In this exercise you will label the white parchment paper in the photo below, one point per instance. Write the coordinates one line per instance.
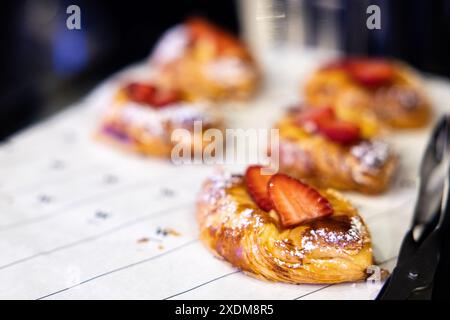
(79, 220)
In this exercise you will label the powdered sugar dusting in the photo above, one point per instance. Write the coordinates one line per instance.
(154, 120)
(229, 71)
(171, 46)
(352, 236)
(371, 154)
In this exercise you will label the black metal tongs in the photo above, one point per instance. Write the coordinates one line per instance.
(422, 249)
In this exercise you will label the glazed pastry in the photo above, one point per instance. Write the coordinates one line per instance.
(375, 92)
(205, 62)
(326, 151)
(143, 116)
(280, 229)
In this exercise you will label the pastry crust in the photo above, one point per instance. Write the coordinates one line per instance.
(326, 250)
(399, 104)
(138, 128)
(210, 63)
(366, 166)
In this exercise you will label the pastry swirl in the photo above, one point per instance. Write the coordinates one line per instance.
(365, 165)
(327, 250)
(398, 102)
(209, 63)
(138, 127)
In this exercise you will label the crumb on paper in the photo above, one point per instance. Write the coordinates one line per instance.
(173, 232)
(143, 240)
(160, 247)
(168, 231)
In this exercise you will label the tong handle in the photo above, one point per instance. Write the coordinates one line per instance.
(436, 153)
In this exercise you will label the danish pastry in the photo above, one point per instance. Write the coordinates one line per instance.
(205, 62)
(280, 229)
(326, 151)
(143, 116)
(375, 92)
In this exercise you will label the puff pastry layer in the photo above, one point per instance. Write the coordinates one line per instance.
(140, 128)
(205, 62)
(365, 166)
(398, 103)
(327, 250)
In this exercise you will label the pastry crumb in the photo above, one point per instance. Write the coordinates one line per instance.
(173, 232)
(143, 240)
(168, 231)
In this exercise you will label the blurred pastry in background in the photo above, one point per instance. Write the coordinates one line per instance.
(277, 228)
(320, 148)
(203, 61)
(371, 89)
(143, 116)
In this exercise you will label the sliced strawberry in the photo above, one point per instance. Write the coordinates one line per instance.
(325, 122)
(370, 72)
(339, 130)
(296, 202)
(200, 28)
(257, 187)
(151, 95)
(314, 115)
(140, 92)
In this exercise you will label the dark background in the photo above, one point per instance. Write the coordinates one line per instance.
(45, 66)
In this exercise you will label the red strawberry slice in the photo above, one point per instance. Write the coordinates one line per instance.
(339, 130)
(296, 202)
(257, 187)
(139, 92)
(325, 122)
(370, 72)
(200, 28)
(151, 95)
(315, 115)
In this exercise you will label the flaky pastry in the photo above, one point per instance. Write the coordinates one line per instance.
(143, 116)
(332, 248)
(326, 151)
(377, 92)
(204, 61)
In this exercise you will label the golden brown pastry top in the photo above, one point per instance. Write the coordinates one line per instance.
(397, 101)
(365, 165)
(205, 62)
